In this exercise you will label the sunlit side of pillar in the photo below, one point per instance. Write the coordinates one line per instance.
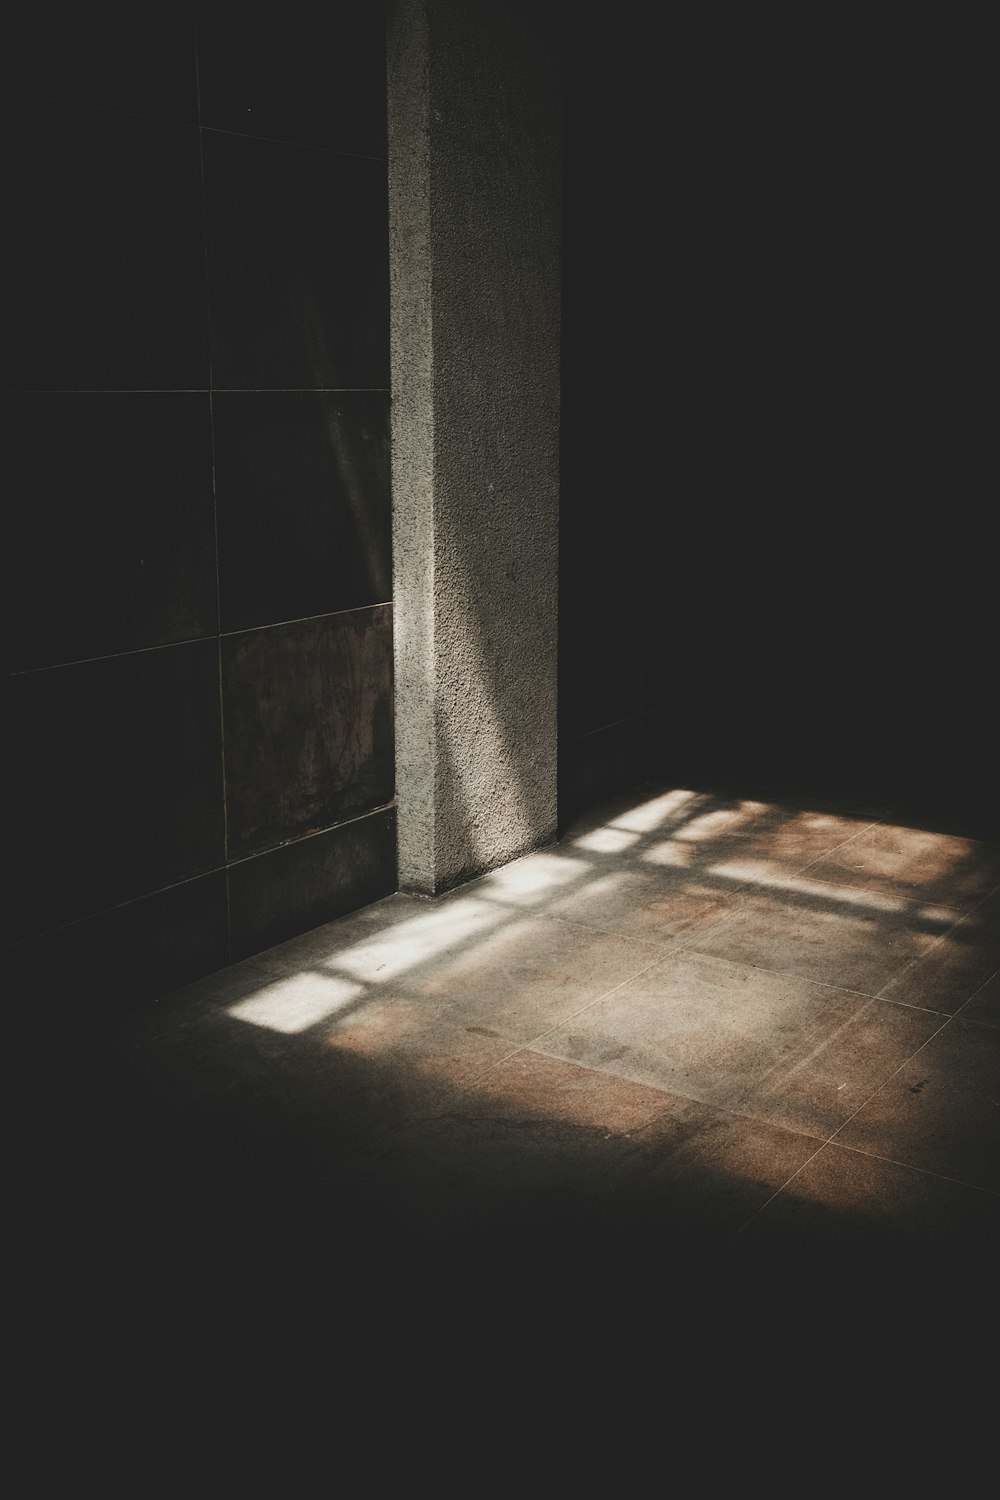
(474, 211)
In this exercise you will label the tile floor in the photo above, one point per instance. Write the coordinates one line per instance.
(698, 1039)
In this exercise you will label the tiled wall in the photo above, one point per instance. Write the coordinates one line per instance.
(196, 454)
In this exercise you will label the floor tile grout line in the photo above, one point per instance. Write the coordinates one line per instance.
(533, 1045)
(825, 984)
(512, 1050)
(902, 906)
(740, 1113)
(669, 1095)
(942, 937)
(832, 1140)
(906, 901)
(909, 1166)
(731, 1239)
(875, 823)
(894, 1074)
(971, 1021)
(598, 999)
(591, 927)
(634, 937)
(878, 823)
(515, 912)
(721, 1249)
(751, 886)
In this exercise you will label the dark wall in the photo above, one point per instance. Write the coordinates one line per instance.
(775, 538)
(197, 472)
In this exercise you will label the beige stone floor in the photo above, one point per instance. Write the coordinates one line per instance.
(698, 1040)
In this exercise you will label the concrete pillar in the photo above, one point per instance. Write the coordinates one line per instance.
(474, 213)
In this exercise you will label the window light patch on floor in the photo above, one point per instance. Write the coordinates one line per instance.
(745, 871)
(679, 856)
(606, 840)
(709, 825)
(532, 877)
(395, 949)
(649, 815)
(293, 1005)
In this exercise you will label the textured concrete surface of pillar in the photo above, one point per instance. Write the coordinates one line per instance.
(474, 212)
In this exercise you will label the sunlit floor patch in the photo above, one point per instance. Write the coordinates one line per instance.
(398, 948)
(293, 1005)
(746, 871)
(643, 1031)
(532, 878)
(724, 820)
(650, 815)
(677, 856)
(606, 840)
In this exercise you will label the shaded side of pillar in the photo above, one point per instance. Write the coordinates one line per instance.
(474, 208)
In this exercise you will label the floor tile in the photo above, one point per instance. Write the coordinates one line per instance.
(656, 906)
(708, 832)
(941, 1111)
(499, 1097)
(840, 935)
(549, 1174)
(953, 971)
(927, 866)
(505, 972)
(984, 1006)
(778, 1048)
(518, 977)
(237, 1105)
(843, 1215)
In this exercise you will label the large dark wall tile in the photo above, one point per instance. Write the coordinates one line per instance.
(299, 266)
(111, 53)
(318, 79)
(286, 891)
(303, 488)
(116, 781)
(68, 982)
(111, 528)
(309, 728)
(105, 253)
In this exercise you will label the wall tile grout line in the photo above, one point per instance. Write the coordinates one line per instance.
(195, 640)
(215, 498)
(272, 140)
(204, 390)
(216, 869)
